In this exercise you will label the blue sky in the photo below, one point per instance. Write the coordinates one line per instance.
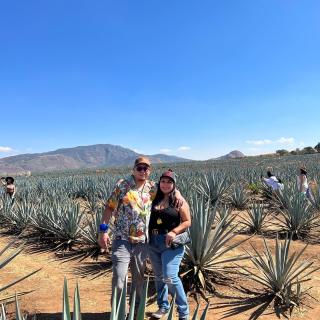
(191, 78)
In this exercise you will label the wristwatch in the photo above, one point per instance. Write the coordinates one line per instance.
(103, 228)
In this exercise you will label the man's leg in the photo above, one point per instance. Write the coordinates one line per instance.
(120, 263)
(138, 264)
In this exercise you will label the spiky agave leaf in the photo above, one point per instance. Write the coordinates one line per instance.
(205, 312)
(76, 304)
(122, 304)
(132, 303)
(3, 315)
(8, 259)
(142, 302)
(171, 309)
(114, 306)
(18, 312)
(65, 302)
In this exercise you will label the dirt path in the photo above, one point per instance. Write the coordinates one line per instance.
(95, 285)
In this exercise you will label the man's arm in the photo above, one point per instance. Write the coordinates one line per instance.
(103, 238)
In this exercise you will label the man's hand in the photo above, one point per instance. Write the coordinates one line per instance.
(104, 240)
(178, 202)
(169, 237)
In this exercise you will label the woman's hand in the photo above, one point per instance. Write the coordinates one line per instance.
(169, 238)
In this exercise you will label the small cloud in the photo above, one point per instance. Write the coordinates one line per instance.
(301, 144)
(259, 142)
(184, 148)
(5, 149)
(283, 140)
(138, 151)
(165, 150)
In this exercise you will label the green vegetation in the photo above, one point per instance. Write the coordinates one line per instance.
(62, 211)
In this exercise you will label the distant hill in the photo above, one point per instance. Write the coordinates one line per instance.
(231, 155)
(94, 156)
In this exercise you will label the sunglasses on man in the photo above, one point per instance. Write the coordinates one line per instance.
(142, 168)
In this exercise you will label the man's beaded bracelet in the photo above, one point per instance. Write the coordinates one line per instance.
(103, 228)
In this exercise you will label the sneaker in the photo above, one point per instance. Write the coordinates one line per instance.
(159, 314)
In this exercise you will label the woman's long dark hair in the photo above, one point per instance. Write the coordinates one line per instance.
(303, 171)
(160, 195)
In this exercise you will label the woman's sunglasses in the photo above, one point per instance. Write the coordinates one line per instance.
(142, 168)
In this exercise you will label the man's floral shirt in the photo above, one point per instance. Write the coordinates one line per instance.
(132, 209)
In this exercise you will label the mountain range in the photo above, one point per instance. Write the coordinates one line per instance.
(94, 156)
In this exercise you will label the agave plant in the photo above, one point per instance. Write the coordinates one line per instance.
(212, 186)
(5, 210)
(20, 216)
(299, 218)
(61, 222)
(239, 197)
(314, 198)
(208, 254)
(280, 274)
(255, 218)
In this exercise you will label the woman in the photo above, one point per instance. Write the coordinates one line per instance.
(302, 181)
(10, 188)
(165, 224)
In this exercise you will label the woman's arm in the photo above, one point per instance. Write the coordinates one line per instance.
(185, 223)
(185, 218)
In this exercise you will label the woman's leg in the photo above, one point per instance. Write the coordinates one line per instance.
(161, 287)
(171, 259)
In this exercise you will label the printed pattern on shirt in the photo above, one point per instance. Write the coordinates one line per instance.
(132, 209)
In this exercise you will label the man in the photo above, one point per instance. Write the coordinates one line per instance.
(130, 202)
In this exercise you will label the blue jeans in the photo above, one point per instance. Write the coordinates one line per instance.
(165, 264)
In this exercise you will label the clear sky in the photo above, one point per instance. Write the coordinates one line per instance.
(190, 78)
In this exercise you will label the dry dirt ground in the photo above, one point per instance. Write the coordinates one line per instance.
(45, 296)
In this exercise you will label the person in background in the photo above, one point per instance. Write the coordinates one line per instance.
(280, 184)
(271, 181)
(302, 180)
(10, 188)
(166, 222)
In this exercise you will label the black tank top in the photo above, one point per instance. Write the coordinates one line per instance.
(164, 219)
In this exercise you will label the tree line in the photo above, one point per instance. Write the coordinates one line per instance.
(306, 150)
